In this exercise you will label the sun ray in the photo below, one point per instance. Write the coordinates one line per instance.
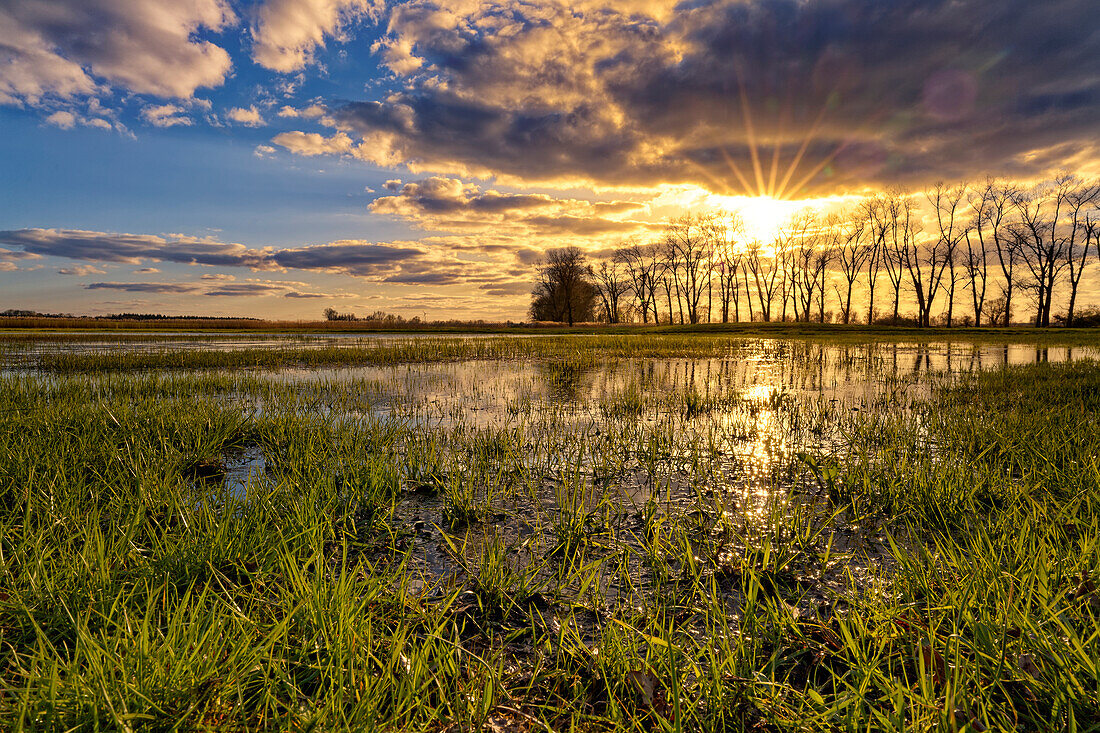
(853, 135)
(721, 182)
(750, 133)
(780, 125)
(797, 160)
(737, 172)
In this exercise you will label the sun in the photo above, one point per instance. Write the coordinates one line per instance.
(762, 217)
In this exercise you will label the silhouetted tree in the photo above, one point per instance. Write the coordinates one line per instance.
(1081, 201)
(563, 292)
(643, 266)
(1044, 243)
(853, 251)
(947, 205)
(611, 282)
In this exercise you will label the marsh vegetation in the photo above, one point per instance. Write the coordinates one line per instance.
(559, 533)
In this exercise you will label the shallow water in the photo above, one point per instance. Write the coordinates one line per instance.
(537, 446)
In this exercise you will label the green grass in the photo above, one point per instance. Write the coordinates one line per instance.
(601, 562)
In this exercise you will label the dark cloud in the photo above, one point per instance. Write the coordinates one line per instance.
(144, 287)
(440, 195)
(244, 290)
(877, 92)
(76, 244)
(471, 262)
(447, 204)
(355, 258)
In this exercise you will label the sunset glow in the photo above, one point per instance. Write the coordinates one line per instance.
(225, 158)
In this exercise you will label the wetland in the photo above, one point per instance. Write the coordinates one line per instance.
(593, 532)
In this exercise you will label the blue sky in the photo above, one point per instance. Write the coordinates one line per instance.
(281, 156)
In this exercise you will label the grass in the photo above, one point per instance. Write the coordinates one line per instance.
(654, 554)
(563, 355)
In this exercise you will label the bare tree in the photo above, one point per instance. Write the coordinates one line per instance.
(612, 283)
(947, 204)
(728, 261)
(690, 241)
(997, 202)
(854, 250)
(1081, 201)
(643, 266)
(811, 245)
(981, 238)
(1044, 240)
(765, 272)
(878, 211)
(904, 229)
(896, 218)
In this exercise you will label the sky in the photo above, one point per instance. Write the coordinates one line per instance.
(278, 157)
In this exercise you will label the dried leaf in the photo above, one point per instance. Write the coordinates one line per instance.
(932, 664)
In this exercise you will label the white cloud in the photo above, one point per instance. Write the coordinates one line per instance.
(312, 143)
(71, 48)
(250, 117)
(63, 119)
(311, 112)
(287, 32)
(165, 115)
(398, 55)
(81, 270)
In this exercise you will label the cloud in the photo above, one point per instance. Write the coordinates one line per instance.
(81, 270)
(67, 120)
(238, 290)
(146, 270)
(7, 255)
(434, 260)
(63, 119)
(311, 112)
(350, 257)
(143, 287)
(71, 48)
(447, 204)
(132, 249)
(165, 115)
(440, 195)
(219, 277)
(250, 117)
(215, 287)
(310, 296)
(287, 32)
(312, 143)
(844, 93)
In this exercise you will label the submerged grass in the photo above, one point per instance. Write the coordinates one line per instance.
(600, 572)
(568, 352)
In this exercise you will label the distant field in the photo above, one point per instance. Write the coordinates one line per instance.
(785, 528)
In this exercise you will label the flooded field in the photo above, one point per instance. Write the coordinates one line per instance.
(575, 530)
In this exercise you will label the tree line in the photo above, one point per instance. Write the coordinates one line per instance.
(970, 254)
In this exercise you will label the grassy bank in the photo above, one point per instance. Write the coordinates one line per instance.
(599, 564)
